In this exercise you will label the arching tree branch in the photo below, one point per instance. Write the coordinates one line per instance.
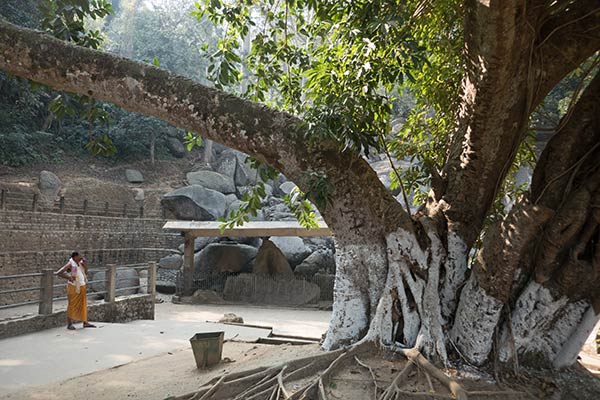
(566, 39)
(275, 137)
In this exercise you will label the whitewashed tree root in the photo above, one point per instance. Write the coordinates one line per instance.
(268, 383)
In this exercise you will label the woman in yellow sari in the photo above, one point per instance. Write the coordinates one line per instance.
(75, 271)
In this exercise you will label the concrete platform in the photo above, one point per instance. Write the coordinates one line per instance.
(58, 354)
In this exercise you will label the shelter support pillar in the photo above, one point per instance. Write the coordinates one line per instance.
(188, 265)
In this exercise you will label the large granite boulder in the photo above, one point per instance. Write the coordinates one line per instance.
(278, 212)
(220, 258)
(293, 248)
(134, 176)
(195, 202)
(176, 148)
(139, 194)
(251, 288)
(271, 261)
(243, 173)
(287, 187)
(235, 205)
(320, 260)
(199, 243)
(268, 191)
(227, 163)
(211, 180)
(49, 185)
(126, 278)
(172, 261)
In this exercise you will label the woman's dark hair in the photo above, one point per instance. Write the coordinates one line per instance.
(73, 254)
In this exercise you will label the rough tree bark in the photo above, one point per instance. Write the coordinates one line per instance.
(402, 281)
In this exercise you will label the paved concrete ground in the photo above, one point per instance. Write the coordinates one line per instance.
(58, 354)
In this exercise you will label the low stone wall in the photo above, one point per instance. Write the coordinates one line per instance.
(36, 231)
(124, 309)
(257, 289)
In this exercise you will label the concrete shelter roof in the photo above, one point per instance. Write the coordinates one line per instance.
(249, 229)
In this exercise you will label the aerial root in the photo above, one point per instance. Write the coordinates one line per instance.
(316, 390)
(395, 387)
(268, 383)
(375, 386)
(415, 356)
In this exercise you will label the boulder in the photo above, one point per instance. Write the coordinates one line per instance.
(249, 240)
(173, 261)
(199, 244)
(250, 288)
(226, 164)
(167, 275)
(176, 148)
(230, 198)
(134, 176)
(220, 258)
(166, 287)
(268, 191)
(231, 317)
(195, 203)
(320, 260)
(320, 242)
(139, 194)
(278, 212)
(243, 173)
(126, 277)
(287, 187)
(236, 205)
(292, 247)
(202, 296)
(211, 180)
(49, 185)
(271, 261)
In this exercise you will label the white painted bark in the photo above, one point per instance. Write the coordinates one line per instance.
(410, 298)
(456, 268)
(532, 318)
(476, 318)
(352, 294)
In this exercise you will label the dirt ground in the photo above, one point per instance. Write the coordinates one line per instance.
(174, 373)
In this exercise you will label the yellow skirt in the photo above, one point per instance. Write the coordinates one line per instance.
(77, 308)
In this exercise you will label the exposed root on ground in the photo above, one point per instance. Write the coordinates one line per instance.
(268, 383)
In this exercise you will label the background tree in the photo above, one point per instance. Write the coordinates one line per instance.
(403, 281)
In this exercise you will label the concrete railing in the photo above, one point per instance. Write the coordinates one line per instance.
(48, 289)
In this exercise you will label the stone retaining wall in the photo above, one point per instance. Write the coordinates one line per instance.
(33, 241)
(124, 309)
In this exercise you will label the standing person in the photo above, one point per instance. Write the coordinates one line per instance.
(75, 272)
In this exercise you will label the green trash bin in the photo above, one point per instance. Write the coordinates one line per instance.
(207, 348)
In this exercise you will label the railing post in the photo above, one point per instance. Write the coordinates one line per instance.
(163, 212)
(106, 209)
(125, 210)
(111, 283)
(47, 292)
(142, 211)
(61, 204)
(34, 204)
(3, 200)
(152, 279)
(85, 206)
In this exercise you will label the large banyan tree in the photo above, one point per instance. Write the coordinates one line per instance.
(448, 280)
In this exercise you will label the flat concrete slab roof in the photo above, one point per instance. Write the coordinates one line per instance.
(249, 229)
